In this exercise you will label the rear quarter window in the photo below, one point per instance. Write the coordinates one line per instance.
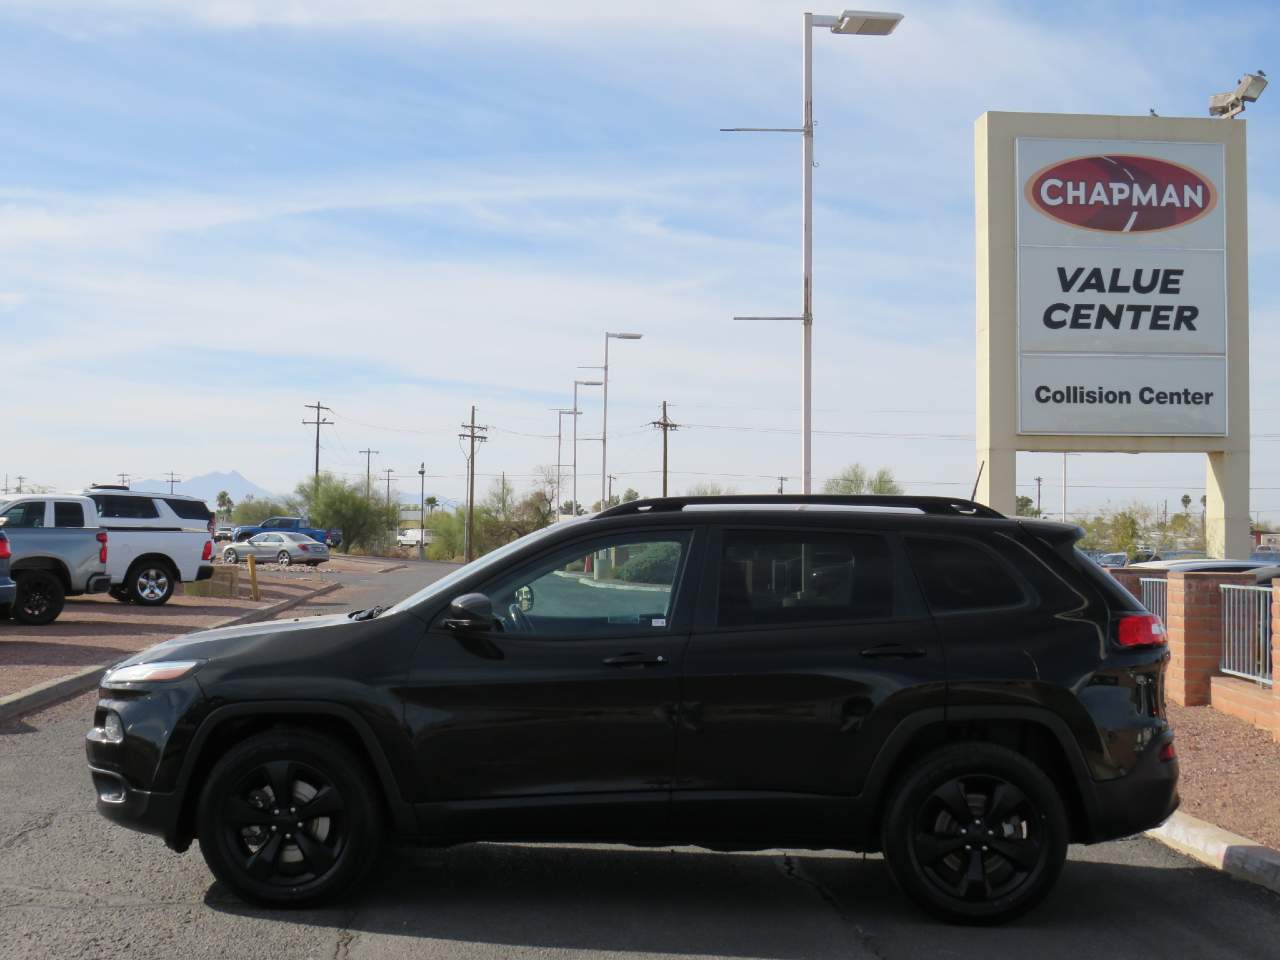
(959, 575)
(190, 509)
(68, 513)
(112, 507)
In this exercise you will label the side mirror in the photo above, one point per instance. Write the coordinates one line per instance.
(470, 612)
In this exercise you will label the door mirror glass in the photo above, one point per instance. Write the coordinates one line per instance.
(524, 598)
(471, 611)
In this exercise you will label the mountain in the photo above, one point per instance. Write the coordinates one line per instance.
(206, 487)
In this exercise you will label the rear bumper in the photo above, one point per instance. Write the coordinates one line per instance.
(98, 583)
(8, 591)
(1143, 798)
(205, 572)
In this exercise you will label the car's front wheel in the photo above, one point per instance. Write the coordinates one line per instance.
(289, 819)
(975, 833)
(283, 558)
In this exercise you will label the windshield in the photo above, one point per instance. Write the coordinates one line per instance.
(493, 559)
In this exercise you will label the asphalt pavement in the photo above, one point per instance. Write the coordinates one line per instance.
(73, 885)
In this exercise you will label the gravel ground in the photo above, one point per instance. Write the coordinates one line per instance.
(1230, 772)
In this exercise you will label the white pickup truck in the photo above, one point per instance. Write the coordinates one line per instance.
(157, 540)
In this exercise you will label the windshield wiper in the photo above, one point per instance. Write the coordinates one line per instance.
(367, 614)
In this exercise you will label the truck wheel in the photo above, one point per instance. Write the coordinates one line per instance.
(150, 584)
(40, 597)
(975, 833)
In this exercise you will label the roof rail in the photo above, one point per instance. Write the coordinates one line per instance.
(940, 506)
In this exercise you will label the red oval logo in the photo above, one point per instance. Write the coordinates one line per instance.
(1121, 193)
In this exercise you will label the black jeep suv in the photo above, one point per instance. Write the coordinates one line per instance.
(920, 676)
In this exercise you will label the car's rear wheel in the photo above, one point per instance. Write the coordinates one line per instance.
(40, 597)
(283, 558)
(975, 833)
(229, 555)
(150, 583)
(288, 819)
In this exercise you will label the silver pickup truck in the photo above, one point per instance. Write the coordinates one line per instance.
(49, 564)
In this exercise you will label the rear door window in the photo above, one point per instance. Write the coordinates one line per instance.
(67, 514)
(189, 509)
(783, 577)
(113, 507)
(961, 575)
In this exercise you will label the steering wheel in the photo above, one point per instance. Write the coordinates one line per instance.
(519, 620)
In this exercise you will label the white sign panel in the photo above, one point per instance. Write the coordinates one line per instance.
(1122, 303)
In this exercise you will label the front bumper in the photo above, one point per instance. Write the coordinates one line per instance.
(118, 801)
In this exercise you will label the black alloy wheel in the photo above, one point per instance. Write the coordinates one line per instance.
(976, 834)
(287, 819)
(40, 598)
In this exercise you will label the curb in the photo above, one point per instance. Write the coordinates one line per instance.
(62, 688)
(1231, 853)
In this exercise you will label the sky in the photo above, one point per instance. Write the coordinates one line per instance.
(213, 213)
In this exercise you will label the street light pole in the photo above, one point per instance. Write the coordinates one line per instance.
(561, 413)
(604, 424)
(422, 510)
(576, 384)
(858, 23)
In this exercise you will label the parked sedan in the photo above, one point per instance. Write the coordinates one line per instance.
(283, 548)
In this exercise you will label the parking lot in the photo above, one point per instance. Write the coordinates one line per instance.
(72, 885)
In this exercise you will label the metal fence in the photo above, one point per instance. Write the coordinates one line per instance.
(1246, 632)
(1155, 596)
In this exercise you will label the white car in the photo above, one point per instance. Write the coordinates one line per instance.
(284, 548)
(157, 541)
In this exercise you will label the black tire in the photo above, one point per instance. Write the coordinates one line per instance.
(120, 593)
(975, 833)
(40, 597)
(6, 611)
(230, 555)
(235, 817)
(150, 583)
(283, 558)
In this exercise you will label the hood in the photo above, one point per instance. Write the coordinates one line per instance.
(222, 641)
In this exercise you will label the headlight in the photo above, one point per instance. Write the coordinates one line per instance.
(150, 672)
(111, 731)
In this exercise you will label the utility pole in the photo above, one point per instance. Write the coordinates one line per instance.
(781, 481)
(318, 422)
(20, 479)
(1064, 486)
(124, 479)
(609, 493)
(422, 510)
(474, 432)
(666, 425)
(368, 470)
(173, 478)
(1039, 480)
(388, 471)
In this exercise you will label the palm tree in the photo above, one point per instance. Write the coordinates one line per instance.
(431, 503)
(1186, 502)
(224, 504)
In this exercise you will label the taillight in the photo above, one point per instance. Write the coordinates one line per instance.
(1167, 753)
(1141, 630)
(208, 550)
(5, 552)
(102, 549)
(303, 547)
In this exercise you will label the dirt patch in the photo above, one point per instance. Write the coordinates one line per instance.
(1230, 772)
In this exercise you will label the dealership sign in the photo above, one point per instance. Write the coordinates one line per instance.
(1122, 296)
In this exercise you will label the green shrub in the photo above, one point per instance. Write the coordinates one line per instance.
(656, 563)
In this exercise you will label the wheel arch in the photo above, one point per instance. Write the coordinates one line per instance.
(1036, 733)
(156, 558)
(228, 725)
(49, 564)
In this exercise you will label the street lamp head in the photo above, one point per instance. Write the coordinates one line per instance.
(626, 336)
(1248, 90)
(867, 23)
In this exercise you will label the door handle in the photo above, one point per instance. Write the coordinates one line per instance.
(898, 651)
(636, 660)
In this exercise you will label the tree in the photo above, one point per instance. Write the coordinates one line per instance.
(251, 512)
(333, 503)
(1186, 502)
(855, 480)
(1027, 507)
(709, 488)
(224, 504)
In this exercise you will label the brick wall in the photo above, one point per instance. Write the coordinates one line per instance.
(1194, 622)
